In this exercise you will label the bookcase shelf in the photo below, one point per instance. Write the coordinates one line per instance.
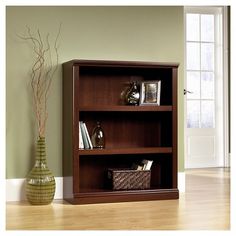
(116, 151)
(126, 108)
(92, 92)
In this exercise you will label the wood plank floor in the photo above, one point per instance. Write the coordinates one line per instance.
(204, 205)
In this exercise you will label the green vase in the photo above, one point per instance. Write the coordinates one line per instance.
(40, 182)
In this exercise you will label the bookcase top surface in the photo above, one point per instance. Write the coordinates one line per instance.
(144, 64)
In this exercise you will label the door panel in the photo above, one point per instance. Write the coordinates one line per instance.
(203, 100)
(207, 144)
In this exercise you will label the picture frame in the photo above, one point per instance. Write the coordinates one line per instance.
(150, 92)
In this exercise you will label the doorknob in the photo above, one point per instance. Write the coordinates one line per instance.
(186, 91)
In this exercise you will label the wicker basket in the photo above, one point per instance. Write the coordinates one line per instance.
(128, 179)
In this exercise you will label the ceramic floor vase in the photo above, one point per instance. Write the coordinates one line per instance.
(40, 182)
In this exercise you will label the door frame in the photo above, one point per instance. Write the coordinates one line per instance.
(226, 56)
(226, 88)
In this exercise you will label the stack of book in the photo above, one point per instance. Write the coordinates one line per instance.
(144, 165)
(84, 138)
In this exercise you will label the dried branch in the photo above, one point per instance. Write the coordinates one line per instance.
(42, 73)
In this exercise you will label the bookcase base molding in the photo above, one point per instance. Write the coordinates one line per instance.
(93, 91)
(127, 196)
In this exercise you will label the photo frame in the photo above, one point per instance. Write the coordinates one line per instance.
(150, 92)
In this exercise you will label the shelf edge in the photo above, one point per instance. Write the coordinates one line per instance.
(126, 108)
(118, 151)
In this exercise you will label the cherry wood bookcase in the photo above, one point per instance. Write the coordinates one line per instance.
(92, 92)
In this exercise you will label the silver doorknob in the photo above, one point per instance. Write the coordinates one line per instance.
(186, 91)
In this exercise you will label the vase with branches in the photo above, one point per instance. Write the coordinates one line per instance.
(40, 182)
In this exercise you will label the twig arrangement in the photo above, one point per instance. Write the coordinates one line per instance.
(42, 72)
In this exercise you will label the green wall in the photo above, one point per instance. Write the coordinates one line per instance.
(110, 33)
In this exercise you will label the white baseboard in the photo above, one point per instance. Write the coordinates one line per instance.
(15, 188)
(228, 160)
(181, 182)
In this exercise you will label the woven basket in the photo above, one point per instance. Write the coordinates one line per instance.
(128, 179)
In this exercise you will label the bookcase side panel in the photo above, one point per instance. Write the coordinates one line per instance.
(67, 137)
(175, 127)
(76, 119)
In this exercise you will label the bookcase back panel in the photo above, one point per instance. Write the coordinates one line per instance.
(93, 170)
(161, 174)
(125, 129)
(106, 86)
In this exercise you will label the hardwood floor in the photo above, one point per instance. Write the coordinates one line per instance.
(204, 205)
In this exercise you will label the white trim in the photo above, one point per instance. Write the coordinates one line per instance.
(226, 88)
(221, 115)
(202, 9)
(15, 188)
(227, 160)
(181, 182)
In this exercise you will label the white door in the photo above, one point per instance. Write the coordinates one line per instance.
(203, 88)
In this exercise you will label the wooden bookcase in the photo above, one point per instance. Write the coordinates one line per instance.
(92, 92)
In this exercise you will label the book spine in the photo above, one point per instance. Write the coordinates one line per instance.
(81, 143)
(159, 92)
(87, 135)
(149, 165)
(86, 144)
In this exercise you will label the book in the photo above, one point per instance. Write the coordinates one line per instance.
(81, 143)
(85, 141)
(147, 164)
(137, 167)
(159, 92)
(87, 136)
